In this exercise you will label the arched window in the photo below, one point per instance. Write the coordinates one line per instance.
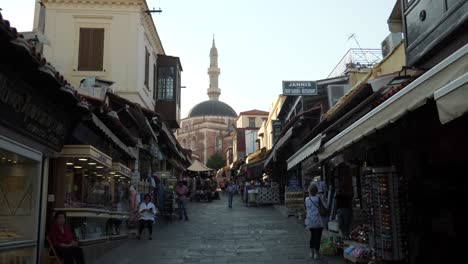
(218, 144)
(193, 143)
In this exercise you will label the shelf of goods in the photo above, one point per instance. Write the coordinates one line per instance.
(294, 199)
(170, 203)
(383, 195)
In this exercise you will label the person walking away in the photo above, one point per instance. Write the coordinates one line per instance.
(62, 238)
(181, 191)
(147, 214)
(231, 189)
(314, 220)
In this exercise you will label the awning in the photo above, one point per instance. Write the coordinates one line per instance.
(198, 166)
(452, 99)
(411, 97)
(278, 145)
(283, 139)
(307, 150)
(171, 137)
(99, 124)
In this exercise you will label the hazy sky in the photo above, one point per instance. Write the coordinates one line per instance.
(260, 42)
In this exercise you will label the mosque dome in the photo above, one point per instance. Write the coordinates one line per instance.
(212, 108)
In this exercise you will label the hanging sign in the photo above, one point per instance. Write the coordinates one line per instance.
(299, 88)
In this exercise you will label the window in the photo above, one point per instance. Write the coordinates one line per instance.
(166, 83)
(193, 143)
(252, 122)
(19, 196)
(91, 49)
(146, 67)
(219, 144)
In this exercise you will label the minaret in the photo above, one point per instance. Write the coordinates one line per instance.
(213, 72)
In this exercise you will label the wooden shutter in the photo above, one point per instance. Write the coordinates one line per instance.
(146, 67)
(155, 81)
(91, 49)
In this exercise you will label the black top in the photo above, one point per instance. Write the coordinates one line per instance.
(212, 108)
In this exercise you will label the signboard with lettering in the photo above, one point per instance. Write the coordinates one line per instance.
(121, 169)
(86, 151)
(299, 88)
(29, 112)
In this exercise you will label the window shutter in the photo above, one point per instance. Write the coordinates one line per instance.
(146, 67)
(155, 81)
(91, 49)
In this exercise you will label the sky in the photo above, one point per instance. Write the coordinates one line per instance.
(260, 42)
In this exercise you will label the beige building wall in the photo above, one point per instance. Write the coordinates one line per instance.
(267, 137)
(243, 120)
(127, 31)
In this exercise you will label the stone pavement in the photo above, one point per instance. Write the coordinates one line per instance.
(218, 234)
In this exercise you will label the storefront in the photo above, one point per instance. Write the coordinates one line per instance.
(38, 110)
(389, 170)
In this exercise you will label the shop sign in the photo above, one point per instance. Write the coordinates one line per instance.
(80, 151)
(24, 109)
(120, 168)
(299, 88)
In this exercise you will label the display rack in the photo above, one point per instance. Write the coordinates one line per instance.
(294, 201)
(385, 213)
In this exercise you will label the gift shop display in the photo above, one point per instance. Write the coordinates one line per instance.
(385, 213)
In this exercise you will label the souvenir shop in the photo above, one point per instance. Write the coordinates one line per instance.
(38, 110)
(384, 187)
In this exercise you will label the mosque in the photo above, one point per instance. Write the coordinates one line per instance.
(207, 128)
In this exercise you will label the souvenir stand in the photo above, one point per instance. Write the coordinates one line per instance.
(166, 198)
(294, 197)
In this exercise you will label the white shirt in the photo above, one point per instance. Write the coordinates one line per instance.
(147, 215)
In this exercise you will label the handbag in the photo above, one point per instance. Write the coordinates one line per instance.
(323, 211)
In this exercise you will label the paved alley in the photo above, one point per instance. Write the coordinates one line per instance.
(218, 234)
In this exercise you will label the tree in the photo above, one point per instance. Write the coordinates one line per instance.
(216, 162)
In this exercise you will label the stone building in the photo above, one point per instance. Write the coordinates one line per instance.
(207, 128)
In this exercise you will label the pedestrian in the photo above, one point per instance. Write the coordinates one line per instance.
(231, 189)
(314, 220)
(181, 191)
(62, 238)
(147, 214)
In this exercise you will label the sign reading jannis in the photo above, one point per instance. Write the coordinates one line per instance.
(299, 88)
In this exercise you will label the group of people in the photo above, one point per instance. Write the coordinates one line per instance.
(62, 237)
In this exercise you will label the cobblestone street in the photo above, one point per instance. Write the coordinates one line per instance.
(218, 234)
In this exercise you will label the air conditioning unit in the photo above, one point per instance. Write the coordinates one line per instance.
(335, 92)
(95, 87)
(390, 43)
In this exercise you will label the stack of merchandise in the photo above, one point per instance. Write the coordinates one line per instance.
(357, 254)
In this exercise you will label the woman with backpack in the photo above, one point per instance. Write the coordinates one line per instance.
(316, 210)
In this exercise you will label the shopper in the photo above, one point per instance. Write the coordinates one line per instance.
(231, 189)
(147, 214)
(314, 220)
(181, 191)
(62, 239)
